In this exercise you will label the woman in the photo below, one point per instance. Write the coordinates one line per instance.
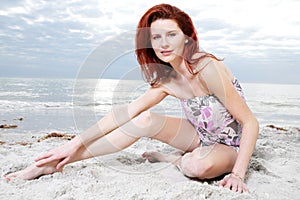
(220, 131)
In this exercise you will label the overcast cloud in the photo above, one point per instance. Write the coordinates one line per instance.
(259, 40)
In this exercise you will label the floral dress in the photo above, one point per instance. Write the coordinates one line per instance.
(212, 120)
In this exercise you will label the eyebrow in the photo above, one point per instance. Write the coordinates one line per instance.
(167, 32)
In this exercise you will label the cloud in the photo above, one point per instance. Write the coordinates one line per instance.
(58, 35)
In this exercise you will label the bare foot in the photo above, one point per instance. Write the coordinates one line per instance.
(31, 172)
(154, 156)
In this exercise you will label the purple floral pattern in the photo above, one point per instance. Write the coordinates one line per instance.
(212, 120)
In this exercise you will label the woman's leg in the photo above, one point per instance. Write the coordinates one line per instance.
(174, 131)
(202, 162)
(208, 162)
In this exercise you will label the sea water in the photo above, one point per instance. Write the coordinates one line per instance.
(71, 105)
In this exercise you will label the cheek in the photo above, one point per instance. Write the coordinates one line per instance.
(157, 52)
(154, 47)
(155, 44)
(179, 43)
(180, 47)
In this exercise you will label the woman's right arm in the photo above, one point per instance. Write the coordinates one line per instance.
(114, 119)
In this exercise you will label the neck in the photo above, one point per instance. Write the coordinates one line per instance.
(180, 68)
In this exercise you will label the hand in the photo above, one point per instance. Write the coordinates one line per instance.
(62, 155)
(234, 183)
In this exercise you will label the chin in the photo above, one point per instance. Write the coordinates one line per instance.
(167, 59)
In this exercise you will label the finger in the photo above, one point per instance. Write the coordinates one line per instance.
(62, 163)
(44, 161)
(228, 185)
(222, 183)
(240, 188)
(234, 187)
(245, 188)
(47, 155)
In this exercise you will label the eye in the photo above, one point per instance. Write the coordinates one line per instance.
(155, 37)
(172, 34)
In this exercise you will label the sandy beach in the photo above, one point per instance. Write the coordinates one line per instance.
(273, 171)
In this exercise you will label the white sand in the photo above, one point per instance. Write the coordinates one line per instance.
(273, 173)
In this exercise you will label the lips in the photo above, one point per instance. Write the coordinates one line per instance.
(166, 53)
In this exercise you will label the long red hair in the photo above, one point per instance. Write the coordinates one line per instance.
(152, 67)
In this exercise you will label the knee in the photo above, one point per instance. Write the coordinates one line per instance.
(146, 124)
(143, 125)
(194, 167)
(143, 120)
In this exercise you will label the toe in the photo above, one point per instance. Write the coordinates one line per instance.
(7, 179)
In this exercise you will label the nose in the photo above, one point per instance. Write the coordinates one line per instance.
(164, 43)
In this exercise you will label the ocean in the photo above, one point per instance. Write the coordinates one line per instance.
(68, 105)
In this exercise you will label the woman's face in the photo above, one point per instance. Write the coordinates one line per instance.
(167, 40)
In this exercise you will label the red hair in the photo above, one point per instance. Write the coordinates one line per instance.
(152, 67)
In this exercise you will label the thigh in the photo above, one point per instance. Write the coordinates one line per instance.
(177, 132)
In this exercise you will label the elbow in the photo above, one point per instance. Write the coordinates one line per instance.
(252, 125)
(255, 125)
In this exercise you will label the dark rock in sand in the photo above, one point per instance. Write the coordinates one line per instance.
(20, 119)
(8, 126)
(57, 135)
(276, 127)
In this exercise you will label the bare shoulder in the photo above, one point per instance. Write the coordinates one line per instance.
(217, 78)
(158, 89)
(166, 87)
(203, 62)
(214, 69)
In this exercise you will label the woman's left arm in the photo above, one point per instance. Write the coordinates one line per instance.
(220, 84)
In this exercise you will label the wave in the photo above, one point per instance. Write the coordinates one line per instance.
(91, 104)
(19, 105)
(276, 104)
(18, 94)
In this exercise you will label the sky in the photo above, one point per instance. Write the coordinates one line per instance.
(258, 39)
